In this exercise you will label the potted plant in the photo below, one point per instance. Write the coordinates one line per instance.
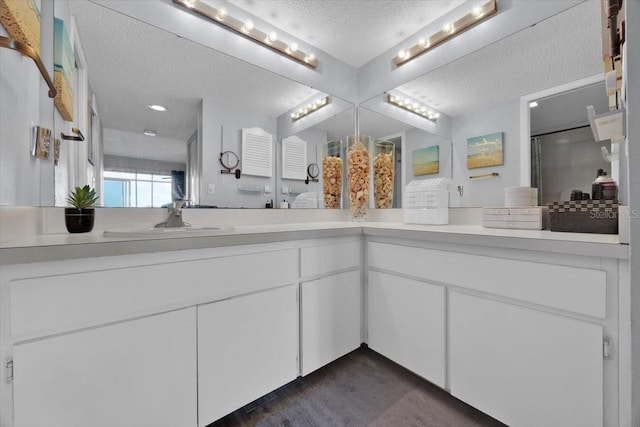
(80, 218)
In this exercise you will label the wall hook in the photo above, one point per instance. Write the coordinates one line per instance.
(80, 136)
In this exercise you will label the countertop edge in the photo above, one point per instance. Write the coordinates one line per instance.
(259, 235)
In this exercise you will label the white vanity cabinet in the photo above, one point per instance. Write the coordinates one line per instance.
(155, 339)
(135, 373)
(247, 347)
(523, 366)
(330, 309)
(522, 332)
(406, 323)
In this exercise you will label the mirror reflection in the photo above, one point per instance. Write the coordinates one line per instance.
(481, 94)
(215, 105)
(408, 144)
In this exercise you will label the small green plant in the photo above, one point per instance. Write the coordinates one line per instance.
(83, 197)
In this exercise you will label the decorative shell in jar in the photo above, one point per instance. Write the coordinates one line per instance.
(358, 161)
(332, 174)
(383, 165)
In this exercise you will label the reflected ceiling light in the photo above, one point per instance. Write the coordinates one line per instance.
(157, 107)
(414, 107)
(533, 104)
(247, 29)
(150, 132)
(450, 30)
(310, 108)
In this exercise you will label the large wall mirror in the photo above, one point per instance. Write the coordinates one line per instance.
(146, 158)
(481, 94)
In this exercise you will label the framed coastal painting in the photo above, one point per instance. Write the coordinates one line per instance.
(21, 20)
(426, 161)
(485, 150)
(63, 70)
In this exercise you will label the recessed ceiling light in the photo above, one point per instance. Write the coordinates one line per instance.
(157, 107)
(150, 132)
(533, 104)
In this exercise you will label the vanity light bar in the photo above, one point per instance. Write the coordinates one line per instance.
(297, 115)
(413, 107)
(248, 30)
(449, 31)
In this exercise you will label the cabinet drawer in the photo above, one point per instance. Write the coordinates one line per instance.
(57, 303)
(325, 259)
(574, 289)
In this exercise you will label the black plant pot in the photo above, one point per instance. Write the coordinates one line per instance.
(79, 220)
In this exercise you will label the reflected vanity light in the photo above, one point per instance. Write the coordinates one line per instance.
(150, 132)
(247, 29)
(413, 107)
(448, 31)
(297, 115)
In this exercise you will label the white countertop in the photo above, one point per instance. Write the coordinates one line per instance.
(59, 246)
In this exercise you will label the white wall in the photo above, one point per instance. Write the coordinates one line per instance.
(233, 120)
(24, 103)
(486, 192)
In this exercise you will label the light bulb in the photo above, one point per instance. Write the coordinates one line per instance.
(293, 47)
(190, 3)
(477, 12)
(436, 115)
(403, 54)
(248, 26)
(222, 13)
(310, 57)
(273, 36)
(448, 28)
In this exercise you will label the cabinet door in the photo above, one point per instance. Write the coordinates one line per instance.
(136, 373)
(525, 367)
(247, 347)
(330, 319)
(406, 323)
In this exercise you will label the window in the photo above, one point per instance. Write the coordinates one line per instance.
(136, 190)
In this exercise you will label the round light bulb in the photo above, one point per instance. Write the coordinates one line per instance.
(222, 13)
(190, 3)
(248, 25)
(448, 28)
(273, 36)
(477, 11)
(293, 47)
(436, 115)
(310, 57)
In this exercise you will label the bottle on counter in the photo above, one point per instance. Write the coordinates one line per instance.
(604, 187)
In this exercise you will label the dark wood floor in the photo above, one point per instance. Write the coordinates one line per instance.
(359, 389)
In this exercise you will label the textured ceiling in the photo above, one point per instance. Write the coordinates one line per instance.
(561, 49)
(132, 64)
(354, 31)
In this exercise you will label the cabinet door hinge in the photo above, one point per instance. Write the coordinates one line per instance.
(8, 370)
(607, 347)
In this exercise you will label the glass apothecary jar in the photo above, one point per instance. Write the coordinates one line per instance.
(383, 164)
(332, 174)
(358, 165)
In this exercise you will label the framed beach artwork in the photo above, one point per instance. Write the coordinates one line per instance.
(483, 151)
(426, 161)
(21, 20)
(63, 70)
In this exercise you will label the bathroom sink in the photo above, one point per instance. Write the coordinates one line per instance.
(166, 232)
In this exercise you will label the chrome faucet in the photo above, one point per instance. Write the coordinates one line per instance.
(175, 216)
